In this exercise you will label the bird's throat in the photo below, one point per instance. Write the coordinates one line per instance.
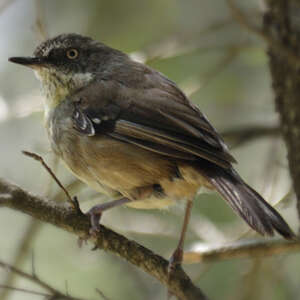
(57, 86)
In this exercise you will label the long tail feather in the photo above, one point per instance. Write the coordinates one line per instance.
(246, 202)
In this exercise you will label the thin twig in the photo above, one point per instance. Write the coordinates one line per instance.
(240, 136)
(242, 250)
(7, 287)
(22, 250)
(48, 169)
(102, 295)
(32, 278)
(35, 279)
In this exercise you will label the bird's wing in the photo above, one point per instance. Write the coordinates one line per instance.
(156, 119)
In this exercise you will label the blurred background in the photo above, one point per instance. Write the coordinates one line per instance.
(221, 67)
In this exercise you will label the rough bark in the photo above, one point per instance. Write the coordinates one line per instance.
(281, 24)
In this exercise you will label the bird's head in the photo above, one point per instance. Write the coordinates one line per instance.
(69, 62)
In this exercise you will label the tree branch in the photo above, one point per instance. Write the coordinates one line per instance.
(242, 250)
(239, 136)
(279, 23)
(68, 219)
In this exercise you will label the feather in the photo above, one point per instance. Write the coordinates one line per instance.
(246, 202)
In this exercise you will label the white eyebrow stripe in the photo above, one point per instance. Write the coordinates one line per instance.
(47, 48)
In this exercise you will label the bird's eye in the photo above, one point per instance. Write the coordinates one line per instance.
(72, 53)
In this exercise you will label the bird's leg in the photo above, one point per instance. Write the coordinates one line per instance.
(177, 256)
(96, 211)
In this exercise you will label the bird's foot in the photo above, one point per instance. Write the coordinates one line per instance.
(95, 214)
(174, 262)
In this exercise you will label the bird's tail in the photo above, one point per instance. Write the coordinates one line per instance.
(246, 202)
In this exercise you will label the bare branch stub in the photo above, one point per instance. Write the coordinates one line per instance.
(73, 201)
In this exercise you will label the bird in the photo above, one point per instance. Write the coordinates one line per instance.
(129, 132)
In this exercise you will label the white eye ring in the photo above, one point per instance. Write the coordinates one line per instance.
(72, 53)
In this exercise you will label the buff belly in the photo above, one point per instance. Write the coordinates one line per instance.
(118, 169)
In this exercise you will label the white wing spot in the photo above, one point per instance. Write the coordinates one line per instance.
(92, 131)
(96, 120)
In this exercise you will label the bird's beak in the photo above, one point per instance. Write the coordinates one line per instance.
(32, 62)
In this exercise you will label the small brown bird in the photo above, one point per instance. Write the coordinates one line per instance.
(131, 133)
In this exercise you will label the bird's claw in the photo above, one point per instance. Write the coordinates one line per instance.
(94, 230)
(94, 217)
(174, 261)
